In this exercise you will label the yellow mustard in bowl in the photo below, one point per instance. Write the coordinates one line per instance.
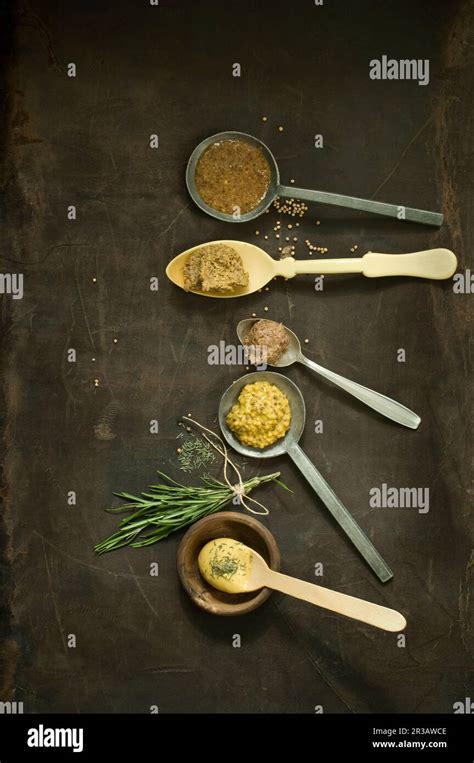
(261, 415)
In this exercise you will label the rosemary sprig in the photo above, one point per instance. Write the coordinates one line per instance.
(169, 506)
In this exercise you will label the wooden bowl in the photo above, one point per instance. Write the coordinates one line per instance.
(225, 524)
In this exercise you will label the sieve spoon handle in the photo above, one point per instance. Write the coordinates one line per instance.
(366, 205)
(340, 513)
(380, 403)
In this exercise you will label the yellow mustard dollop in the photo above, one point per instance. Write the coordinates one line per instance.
(261, 415)
(226, 564)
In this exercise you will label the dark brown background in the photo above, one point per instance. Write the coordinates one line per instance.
(85, 141)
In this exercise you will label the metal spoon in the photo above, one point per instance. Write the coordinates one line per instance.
(289, 444)
(384, 405)
(257, 574)
(276, 189)
(261, 268)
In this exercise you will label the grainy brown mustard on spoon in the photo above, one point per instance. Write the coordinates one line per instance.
(232, 175)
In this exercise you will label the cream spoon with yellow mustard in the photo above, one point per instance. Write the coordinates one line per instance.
(233, 567)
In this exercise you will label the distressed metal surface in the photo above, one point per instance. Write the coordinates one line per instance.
(85, 141)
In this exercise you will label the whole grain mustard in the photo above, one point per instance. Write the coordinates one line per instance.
(261, 415)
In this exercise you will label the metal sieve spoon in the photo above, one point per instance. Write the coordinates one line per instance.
(380, 403)
(276, 189)
(289, 444)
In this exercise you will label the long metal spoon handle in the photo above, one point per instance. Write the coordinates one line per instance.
(380, 403)
(340, 513)
(366, 205)
(359, 609)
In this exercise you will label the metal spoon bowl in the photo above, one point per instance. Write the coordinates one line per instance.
(293, 353)
(384, 405)
(289, 444)
(272, 188)
(297, 407)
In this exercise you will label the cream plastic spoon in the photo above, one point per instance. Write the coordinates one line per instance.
(233, 567)
(380, 403)
(431, 263)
